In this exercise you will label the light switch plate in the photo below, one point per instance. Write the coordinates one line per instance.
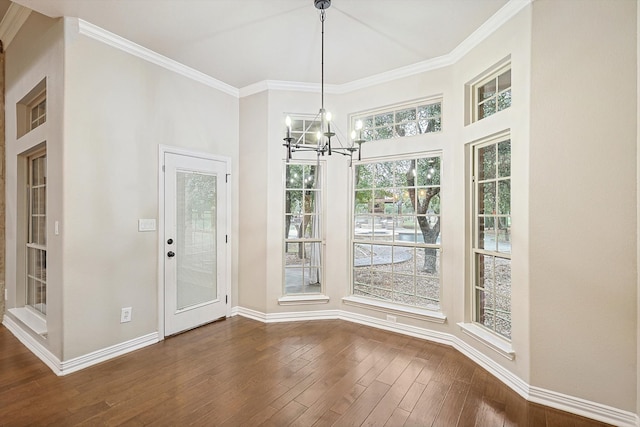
(146, 225)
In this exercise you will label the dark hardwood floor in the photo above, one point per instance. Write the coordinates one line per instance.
(239, 372)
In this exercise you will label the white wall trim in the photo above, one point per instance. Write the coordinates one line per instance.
(574, 405)
(508, 11)
(33, 345)
(585, 408)
(396, 309)
(78, 363)
(502, 16)
(93, 358)
(114, 40)
(12, 21)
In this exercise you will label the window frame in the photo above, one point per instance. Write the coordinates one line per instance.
(493, 74)
(30, 301)
(422, 312)
(475, 251)
(367, 133)
(317, 296)
(35, 104)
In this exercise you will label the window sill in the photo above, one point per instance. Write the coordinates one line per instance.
(400, 310)
(31, 320)
(303, 299)
(501, 346)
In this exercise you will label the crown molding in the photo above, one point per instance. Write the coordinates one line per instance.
(502, 16)
(111, 39)
(12, 21)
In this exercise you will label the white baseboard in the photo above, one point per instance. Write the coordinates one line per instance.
(78, 363)
(574, 405)
(93, 358)
(33, 345)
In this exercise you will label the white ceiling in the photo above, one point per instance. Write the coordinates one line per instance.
(242, 42)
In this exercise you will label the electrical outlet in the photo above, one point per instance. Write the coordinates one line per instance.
(391, 318)
(125, 315)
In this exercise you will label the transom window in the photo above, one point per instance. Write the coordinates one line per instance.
(303, 220)
(400, 121)
(493, 93)
(38, 112)
(396, 231)
(492, 236)
(304, 130)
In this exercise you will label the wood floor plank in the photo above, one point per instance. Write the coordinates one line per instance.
(389, 403)
(241, 372)
(428, 406)
(362, 407)
(452, 406)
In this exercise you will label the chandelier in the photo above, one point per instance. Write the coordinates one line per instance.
(324, 117)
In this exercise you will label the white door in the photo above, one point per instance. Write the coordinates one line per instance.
(195, 262)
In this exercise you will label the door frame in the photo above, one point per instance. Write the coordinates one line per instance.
(162, 150)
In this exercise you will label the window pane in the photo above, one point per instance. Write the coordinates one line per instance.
(293, 202)
(406, 115)
(486, 238)
(487, 162)
(504, 234)
(429, 171)
(487, 108)
(384, 119)
(383, 175)
(504, 80)
(504, 159)
(383, 133)
(403, 171)
(364, 175)
(487, 90)
(504, 100)
(487, 198)
(504, 197)
(404, 260)
(407, 129)
(435, 125)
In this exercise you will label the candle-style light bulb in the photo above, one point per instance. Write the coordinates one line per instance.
(287, 121)
(353, 134)
(327, 116)
(358, 124)
(319, 135)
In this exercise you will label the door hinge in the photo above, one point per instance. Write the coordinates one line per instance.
(226, 238)
(226, 178)
(226, 299)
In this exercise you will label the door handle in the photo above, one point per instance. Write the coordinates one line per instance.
(171, 254)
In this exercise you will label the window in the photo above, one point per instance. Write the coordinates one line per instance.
(492, 94)
(303, 228)
(304, 131)
(492, 236)
(401, 121)
(38, 112)
(396, 231)
(36, 245)
(31, 110)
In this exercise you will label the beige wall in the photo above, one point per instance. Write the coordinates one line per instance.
(583, 269)
(119, 109)
(253, 214)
